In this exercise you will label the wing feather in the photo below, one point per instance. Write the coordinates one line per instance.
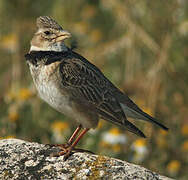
(86, 82)
(89, 84)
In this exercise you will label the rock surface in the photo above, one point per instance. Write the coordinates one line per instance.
(24, 160)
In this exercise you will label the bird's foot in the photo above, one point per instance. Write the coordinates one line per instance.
(65, 150)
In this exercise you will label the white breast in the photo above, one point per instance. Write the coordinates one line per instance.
(47, 84)
(48, 90)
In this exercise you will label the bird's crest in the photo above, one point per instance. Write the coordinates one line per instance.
(47, 22)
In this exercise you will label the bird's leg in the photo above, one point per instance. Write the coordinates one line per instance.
(74, 134)
(69, 149)
(79, 137)
(64, 146)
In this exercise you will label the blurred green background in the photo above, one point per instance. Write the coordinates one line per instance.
(141, 46)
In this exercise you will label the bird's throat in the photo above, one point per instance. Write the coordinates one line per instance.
(58, 47)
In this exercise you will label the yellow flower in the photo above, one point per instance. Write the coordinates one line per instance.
(116, 148)
(114, 136)
(60, 126)
(162, 132)
(9, 137)
(184, 146)
(24, 94)
(140, 142)
(147, 110)
(140, 150)
(100, 124)
(143, 106)
(104, 144)
(10, 42)
(57, 128)
(13, 113)
(13, 116)
(173, 167)
(115, 131)
(184, 130)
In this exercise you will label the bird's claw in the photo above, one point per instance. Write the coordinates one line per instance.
(65, 151)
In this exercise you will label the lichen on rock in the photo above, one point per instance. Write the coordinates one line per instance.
(24, 160)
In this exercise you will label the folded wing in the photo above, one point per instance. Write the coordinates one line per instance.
(87, 83)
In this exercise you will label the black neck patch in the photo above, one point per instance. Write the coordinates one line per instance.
(47, 56)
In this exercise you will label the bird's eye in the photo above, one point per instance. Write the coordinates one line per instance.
(47, 32)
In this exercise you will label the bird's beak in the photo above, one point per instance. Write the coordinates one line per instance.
(62, 35)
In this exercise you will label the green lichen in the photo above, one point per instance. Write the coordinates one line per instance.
(8, 174)
(95, 166)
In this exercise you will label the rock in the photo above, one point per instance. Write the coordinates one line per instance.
(24, 160)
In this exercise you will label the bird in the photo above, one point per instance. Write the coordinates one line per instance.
(75, 87)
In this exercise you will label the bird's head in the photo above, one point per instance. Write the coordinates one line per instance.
(50, 36)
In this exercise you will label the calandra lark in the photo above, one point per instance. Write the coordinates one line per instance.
(75, 87)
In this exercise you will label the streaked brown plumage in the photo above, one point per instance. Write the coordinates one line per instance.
(75, 87)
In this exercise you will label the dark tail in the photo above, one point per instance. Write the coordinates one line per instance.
(125, 124)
